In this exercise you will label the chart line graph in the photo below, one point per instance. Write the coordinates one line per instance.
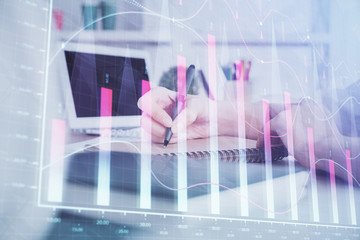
(314, 63)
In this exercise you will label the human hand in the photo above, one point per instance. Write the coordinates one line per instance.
(157, 106)
(307, 115)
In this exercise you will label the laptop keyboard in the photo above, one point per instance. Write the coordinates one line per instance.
(117, 133)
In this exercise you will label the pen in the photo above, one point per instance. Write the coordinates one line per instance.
(206, 85)
(247, 71)
(180, 101)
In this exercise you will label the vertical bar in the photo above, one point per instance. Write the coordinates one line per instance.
(44, 105)
(333, 191)
(314, 195)
(145, 87)
(214, 164)
(290, 147)
(55, 189)
(351, 188)
(145, 165)
(145, 174)
(182, 160)
(268, 160)
(103, 187)
(106, 105)
(241, 137)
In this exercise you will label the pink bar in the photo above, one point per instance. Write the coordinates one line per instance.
(182, 196)
(214, 164)
(313, 174)
(244, 205)
(145, 164)
(103, 185)
(290, 147)
(181, 94)
(240, 80)
(266, 122)
(212, 65)
(268, 160)
(289, 124)
(58, 130)
(106, 102)
(181, 76)
(333, 191)
(311, 149)
(145, 87)
(332, 172)
(240, 96)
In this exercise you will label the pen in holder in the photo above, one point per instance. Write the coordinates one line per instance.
(233, 77)
(89, 13)
(59, 18)
(108, 11)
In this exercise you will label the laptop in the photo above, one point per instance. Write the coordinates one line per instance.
(104, 82)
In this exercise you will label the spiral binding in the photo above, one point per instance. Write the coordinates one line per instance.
(252, 155)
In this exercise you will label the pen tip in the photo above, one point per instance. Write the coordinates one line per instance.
(165, 143)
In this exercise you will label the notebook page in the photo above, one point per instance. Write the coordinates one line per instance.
(194, 145)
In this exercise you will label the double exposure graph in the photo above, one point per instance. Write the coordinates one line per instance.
(274, 60)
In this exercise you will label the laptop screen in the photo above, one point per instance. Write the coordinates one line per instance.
(94, 77)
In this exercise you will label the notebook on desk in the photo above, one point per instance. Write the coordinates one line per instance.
(228, 149)
(126, 159)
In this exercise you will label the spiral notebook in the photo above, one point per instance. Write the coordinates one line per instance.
(227, 149)
(252, 155)
(126, 159)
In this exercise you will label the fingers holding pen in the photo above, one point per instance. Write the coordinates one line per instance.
(158, 103)
(155, 129)
(158, 106)
(182, 121)
(154, 139)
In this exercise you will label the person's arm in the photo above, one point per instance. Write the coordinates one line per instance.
(339, 146)
(329, 143)
(157, 106)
